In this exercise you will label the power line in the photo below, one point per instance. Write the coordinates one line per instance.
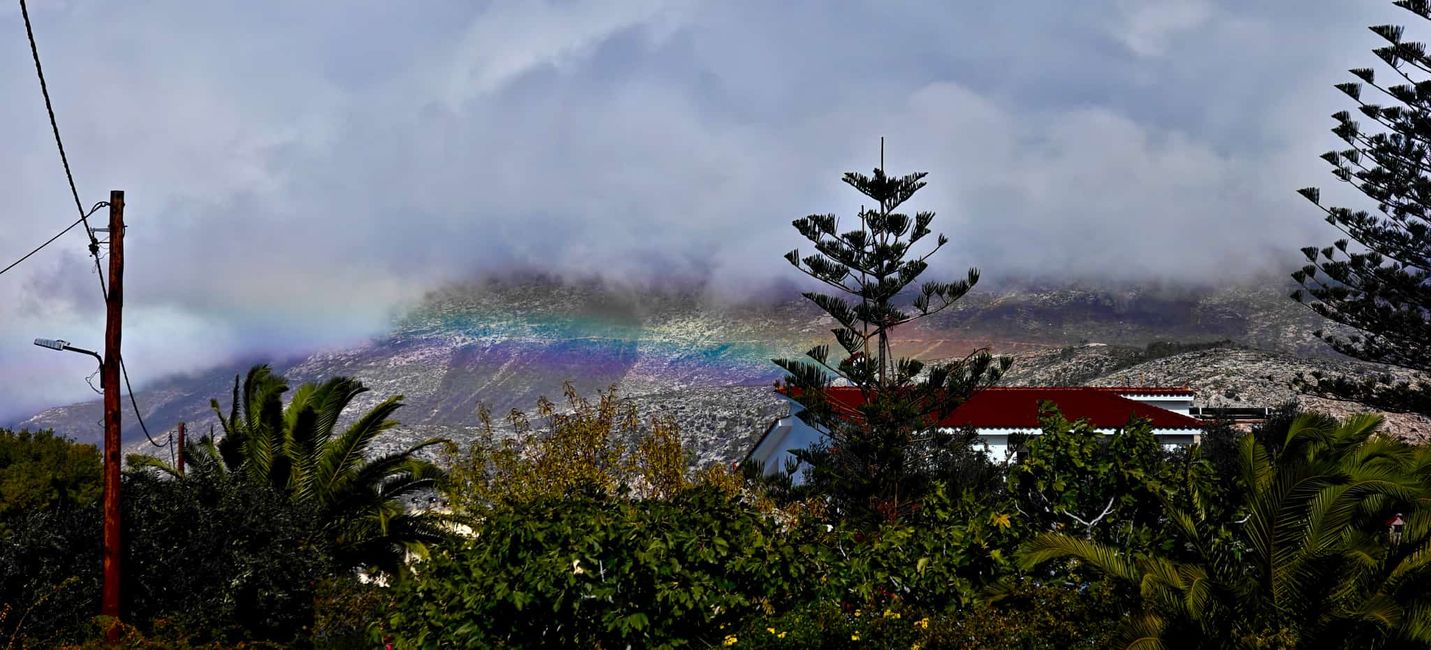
(37, 248)
(51, 240)
(135, 403)
(74, 192)
(55, 127)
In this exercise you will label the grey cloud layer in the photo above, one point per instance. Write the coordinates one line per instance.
(296, 172)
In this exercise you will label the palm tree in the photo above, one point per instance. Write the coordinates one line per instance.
(1308, 565)
(297, 449)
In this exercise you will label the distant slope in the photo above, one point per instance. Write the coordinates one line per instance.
(505, 343)
(1221, 376)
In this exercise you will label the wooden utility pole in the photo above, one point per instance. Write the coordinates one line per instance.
(179, 463)
(109, 378)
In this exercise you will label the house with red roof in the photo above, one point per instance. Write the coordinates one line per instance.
(999, 412)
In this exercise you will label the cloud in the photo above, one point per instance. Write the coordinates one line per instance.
(510, 38)
(1146, 26)
(296, 177)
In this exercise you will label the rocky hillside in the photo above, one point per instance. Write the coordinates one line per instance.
(505, 343)
(1221, 375)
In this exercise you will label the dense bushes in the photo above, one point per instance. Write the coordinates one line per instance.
(208, 560)
(588, 531)
(1307, 556)
(576, 543)
(597, 571)
(187, 562)
(50, 574)
(1075, 479)
(965, 567)
(40, 471)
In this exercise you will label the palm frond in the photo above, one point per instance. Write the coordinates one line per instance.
(332, 398)
(1145, 632)
(1052, 546)
(142, 462)
(343, 454)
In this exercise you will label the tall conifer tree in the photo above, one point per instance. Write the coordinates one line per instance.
(1379, 289)
(877, 458)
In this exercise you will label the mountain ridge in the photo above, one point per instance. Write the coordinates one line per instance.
(504, 343)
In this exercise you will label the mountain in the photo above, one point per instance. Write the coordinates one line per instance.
(1222, 374)
(504, 343)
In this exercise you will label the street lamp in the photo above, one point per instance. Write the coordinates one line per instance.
(62, 345)
(109, 380)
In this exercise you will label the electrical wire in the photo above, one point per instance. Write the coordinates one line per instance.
(74, 192)
(37, 248)
(59, 143)
(51, 240)
(135, 403)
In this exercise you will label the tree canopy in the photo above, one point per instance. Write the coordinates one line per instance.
(299, 450)
(39, 470)
(1374, 285)
(870, 462)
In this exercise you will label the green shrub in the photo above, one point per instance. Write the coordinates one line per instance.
(39, 471)
(221, 558)
(1108, 487)
(1035, 616)
(596, 571)
(50, 575)
(210, 559)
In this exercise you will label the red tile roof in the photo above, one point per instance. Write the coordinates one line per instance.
(1017, 407)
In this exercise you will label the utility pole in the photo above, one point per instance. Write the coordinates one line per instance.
(179, 464)
(109, 378)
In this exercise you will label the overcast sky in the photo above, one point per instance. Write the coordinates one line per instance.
(296, 172)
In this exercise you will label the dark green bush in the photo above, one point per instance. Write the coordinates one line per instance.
(210, 559)
(597, 571)
(39, 471)
(1036, 616)
(1107, 487)
(221, 558)
(50, 575)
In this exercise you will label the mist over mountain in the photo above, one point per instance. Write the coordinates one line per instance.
(504, 343)
(300, 190)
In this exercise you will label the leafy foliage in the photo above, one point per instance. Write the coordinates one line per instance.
(941, 557)
(298, 451)
(1308, 564)
(1099, 486)
(1035, 616)
(1380, 291)
(187, 575)
(597, 571)
(589, 448)
(39, 471)
(867, 461)
(49, 575)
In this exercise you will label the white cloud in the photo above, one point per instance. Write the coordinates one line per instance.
(1146, 26)
(513, 37)
(294, 179)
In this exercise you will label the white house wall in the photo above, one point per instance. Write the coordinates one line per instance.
(1175, 403)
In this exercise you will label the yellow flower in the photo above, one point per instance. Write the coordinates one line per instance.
(855, 636)
(858, 612)
(889, 613)
(729, 640)
(780, 636)
(917, 646)
(770, 630)
(922, 623)
(1000, 520)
